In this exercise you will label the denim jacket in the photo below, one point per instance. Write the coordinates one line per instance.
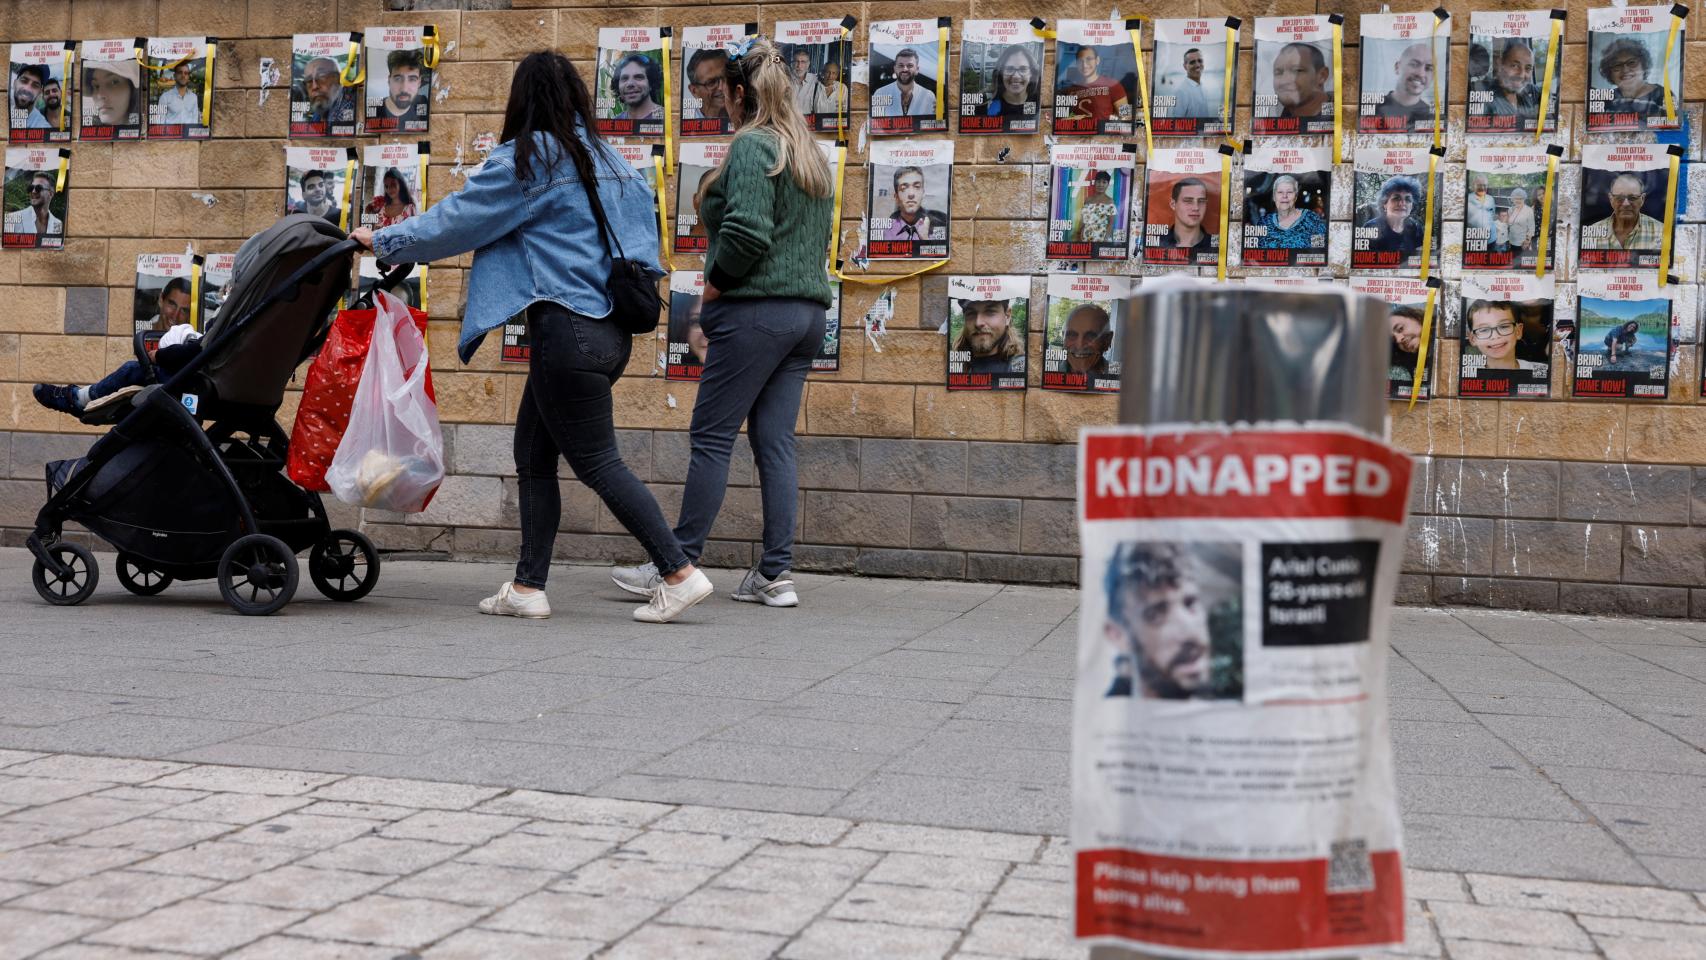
(534, 240)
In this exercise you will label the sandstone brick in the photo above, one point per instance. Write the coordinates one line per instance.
(163, 163)
(651, 403)
(242, 163)
(8, 356)
(506, 34)
(61, 359)
(121, 213)
(965, 523)
(19, 411)
(1558, 550)
(217, 20)
(997, 191)
(36, 18)
(859, 409)
(1622, 600)
(1414, 590)
(828, 463)
(1449, 545)
(32, 452)
(1566, 431)
(32, 309)
(817, 559)
(1009, 568)
(1048, 526)
(281, 18)
(912, 466)
(91, 166)
(1447, 428)
(261, 209)
(909, 356)
(958, 415)
(1023, 469)
(1664, 555)
(1665, 434)
(1009, 246)
(472, 86)
(120, 311)
(108, 18)
(1495, 592)
(83, 262)
(910, 563)
(238, 66)
(469, 397)
(1626, 492)
(861, 519)
(86, 310)
(1056, 417)
(1498, 488)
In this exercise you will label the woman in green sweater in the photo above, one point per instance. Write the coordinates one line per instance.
(767, 215)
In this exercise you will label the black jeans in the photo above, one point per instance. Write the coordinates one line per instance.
(566, 411)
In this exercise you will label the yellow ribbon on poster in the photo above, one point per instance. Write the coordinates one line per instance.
(1546, 81)
(1134, 28)
(422, 270)
(207, 85)
(1678, 14)
(943, 25)
(357, 64)
(430, 45)
(195, 292)
(835, 232)
(1338, 22)
(349, 190)
(668, 127)
(1225, 209)
(1441, 15)
(1553, 152)
(65, 100)
(424, 149)
(1670, 213)
(1039, 26)
(663, 218)
(64, 170)
(1427, 338)
(1434, 156)
(1232, 26)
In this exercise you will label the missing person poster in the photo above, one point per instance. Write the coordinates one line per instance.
(1623, 336)
(1391, 202)
(1181, 208)
(393, 182)
(1090, 200)
(180, 87)
(320, 181)
(1232, 781)
(1406, 304)
(639, 156)
(705, 53)
(165, 291)
(687, 342)
(909, 201)
(988, 332)
(1403, 55)
(1190, 95)
(1287, 200)
(216, 271)
(1296, 92)
(37, 196)
(1095, 78)
(1507, 336)
(1084, 314)
(1501, 214)
(39, 81)
(1627, 70)
(909, 80)
(828, 356)
(1507, 68)
(399, 62)
(628, 100)
(1001, 77)
(1623, 204)
(323, 91)
(819, 57)
(112, 91)
(697, 161)
(515, 346)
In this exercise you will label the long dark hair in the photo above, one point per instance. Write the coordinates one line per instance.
(548, 96)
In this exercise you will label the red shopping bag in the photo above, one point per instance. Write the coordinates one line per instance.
(323, 415)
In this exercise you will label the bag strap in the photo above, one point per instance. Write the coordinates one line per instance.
(604, 232)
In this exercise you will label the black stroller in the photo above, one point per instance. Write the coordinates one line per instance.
(181, 502)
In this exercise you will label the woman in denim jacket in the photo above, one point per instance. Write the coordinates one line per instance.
(538, 255)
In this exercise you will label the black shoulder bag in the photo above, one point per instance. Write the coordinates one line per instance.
(634, 300)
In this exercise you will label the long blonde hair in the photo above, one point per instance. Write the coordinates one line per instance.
(768, 86)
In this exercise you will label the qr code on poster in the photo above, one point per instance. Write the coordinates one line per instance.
(1348, 869)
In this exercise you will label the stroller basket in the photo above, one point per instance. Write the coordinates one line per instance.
(60, 472)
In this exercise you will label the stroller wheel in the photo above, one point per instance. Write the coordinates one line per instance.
(76, 585)
(139, 578)
(344, 566)
(257, 575)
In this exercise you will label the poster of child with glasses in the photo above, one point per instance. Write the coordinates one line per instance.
(1501, 213)
(1391, 202)
(705, 55)
(1506, 349)
(1627, 69)
(1001, 77)
(1623, 205)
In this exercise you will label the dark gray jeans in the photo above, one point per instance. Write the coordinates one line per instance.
(755, 371)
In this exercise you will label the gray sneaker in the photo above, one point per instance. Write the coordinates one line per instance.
(641, 581)
(756, 588)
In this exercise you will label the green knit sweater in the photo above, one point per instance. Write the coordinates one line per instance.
(765, 237)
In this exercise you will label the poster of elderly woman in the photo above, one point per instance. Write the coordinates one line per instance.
(1287, 196)
(629, 98)
(1501, 209)
(1391, 203)
(1001, 76)
(1628, 70)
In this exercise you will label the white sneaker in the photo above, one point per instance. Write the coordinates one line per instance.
(756, 588)
(639, 581)
(669, 602)
(508, 603)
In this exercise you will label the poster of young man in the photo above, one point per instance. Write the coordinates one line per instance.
(180, 87)
(828, 356)
(1406, 301)
(216, 271)
(37, 196)
(165, 290)
(1391, 202)
(1623, 336)
(1296, 92)
(1507, 336)
(1507, 67)
(112, 91)
(1001, 77)
(705, 55)
(1401, 53)
(1627, 68)
(39, 87)
(1189, 79)
(697, 161)
(1623, 204)
(907, 77)
(819, 57)
(1090, 200)
(988, 332)
(1095, 78)
(411, 289)
(687, 341)
(1501, 214)
(1287, 199)
(909, 203)
(1181, 210)
(399, 63)
(322, 91)
(320, 181)
(628, 99)
(1084, 314)
(393, 182)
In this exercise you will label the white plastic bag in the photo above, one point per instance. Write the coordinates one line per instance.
(392, 455)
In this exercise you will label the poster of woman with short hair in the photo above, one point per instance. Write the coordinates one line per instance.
(38, 87)
(908, 212)
(1623, 336)
(628, 100)
(1508, 53)
(399, 62)
(909, 81)
(1628, 71)
(1079, 349)
(180, 87)
(988, 332)
(1506, 348)
(1287, 199)
(1095, 78)
(1405, 72)
(1406, 304)
(1190, 95)
(1391, 203)
(112, 91)
(1001, 77)
(1296, 91)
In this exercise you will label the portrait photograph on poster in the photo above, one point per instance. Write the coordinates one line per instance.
(112, 91)
(1623, 204)
(1508, 50)
(1287, 202)
(988, 332)
(909, 204)
(399, 66)
(685, 358)
(1001, 77)
(164, 292)
(628, 98)
(319, 181)
(37, 198)
(705, 53)
(819, 57)
(38, 82)
(1391, 202)
(697, 161)
(1189, 95)
(1406, 305)
(1296, 92)
(908, 79)
(1403, 56)
(323, 68)
(1623, 336)
(1095, 78)
(828, 356)
(180, 88)
(1181, 207)
(1084, 313)
(1503, 188)
(1196, 653)
(393, 183)
(1506, 348)
(1627, 70)
(1090, 201)
(216, 271)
